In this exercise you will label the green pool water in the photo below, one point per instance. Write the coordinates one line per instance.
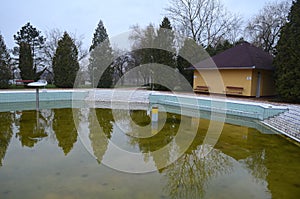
(43, 156)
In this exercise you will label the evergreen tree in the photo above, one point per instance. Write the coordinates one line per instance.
(26, 62)
(165, 54)
(287, 60)
(65, 64)
(5, 73)
(165, 43)
(101, 59)
(100, 35)
(33, 38)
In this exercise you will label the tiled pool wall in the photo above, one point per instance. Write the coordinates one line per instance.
(230, 119)
(30, 96)
(241, 109)
(25, 106)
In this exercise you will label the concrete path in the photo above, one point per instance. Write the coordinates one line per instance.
(287, 123)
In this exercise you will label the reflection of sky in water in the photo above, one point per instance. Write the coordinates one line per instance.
(243, 164)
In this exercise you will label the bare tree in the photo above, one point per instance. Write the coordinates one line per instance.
(143, 40)
(123, 62)
(206, 21)
(53, 36)
(264, 28)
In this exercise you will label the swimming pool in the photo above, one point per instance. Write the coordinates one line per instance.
(48, 154)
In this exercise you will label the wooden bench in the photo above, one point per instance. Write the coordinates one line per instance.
(202, 89)
(20, 82)
(234, 90)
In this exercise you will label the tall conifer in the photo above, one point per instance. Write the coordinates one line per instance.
(5, 73)
(101, 58)
(287, 60)
(65, 64)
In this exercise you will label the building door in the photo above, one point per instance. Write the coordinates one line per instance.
(258, 87)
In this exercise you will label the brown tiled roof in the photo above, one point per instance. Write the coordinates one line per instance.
(241, 56)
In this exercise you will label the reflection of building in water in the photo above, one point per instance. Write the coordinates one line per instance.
(64, 128)
(5, 133)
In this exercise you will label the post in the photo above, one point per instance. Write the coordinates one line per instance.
(154, 120)
(154, 114)
(37, 99)
(36, 85)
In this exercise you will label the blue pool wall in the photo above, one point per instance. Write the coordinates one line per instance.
(30, 96)
(228, 107)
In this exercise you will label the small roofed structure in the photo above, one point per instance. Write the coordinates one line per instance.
(243, 70)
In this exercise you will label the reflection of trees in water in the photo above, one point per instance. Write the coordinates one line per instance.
(99, 135)
(64, 128)
(140, 117)
(256, 166)
(157, 141)
(5, 133)
(31, 128)
(105, 119)
(46, 120)
(189, 176)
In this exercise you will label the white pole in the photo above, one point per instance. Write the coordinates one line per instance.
(37, 99)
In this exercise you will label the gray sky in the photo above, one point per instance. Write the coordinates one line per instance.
(82, 16)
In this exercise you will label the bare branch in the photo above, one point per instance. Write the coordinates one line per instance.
(206, 21)
(264, 28)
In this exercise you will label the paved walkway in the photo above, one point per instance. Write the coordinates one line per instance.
(287, 123)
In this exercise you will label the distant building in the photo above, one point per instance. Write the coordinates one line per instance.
(243, 70)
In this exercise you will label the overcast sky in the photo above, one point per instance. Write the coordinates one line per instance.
(82, 16)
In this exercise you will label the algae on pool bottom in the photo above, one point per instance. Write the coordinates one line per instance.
(42, 156)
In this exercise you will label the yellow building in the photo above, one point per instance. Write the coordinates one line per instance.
(243, 70)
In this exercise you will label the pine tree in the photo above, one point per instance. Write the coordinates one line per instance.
(32, 37)
(165, 41)
(5, 73)
(26, 62)
(101, 59)
(65, 64)
(165, 54)
(287, 60)
(100, 35)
